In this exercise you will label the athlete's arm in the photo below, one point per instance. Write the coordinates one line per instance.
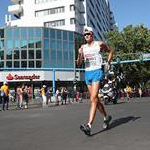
(105, 47)
(80, 55)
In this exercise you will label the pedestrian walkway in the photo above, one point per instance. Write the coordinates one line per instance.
(38, 104)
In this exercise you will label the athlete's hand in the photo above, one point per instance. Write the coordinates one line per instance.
(80, 56)
(80, 50)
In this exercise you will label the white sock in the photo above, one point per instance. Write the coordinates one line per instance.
(105, 118)
(89, 125)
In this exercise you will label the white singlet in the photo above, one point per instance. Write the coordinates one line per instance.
(92, 57)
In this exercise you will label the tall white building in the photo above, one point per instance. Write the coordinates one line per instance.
(70, 15)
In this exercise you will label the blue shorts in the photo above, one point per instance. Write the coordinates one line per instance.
(93, 76)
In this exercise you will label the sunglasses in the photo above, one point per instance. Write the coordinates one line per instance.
(87, 34)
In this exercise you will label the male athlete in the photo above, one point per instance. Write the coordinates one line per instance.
(91, 53)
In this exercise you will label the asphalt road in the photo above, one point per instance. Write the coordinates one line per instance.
(57, 128)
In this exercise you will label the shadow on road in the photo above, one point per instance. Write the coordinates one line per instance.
(118, 122)
(121, 121)
(116, 103)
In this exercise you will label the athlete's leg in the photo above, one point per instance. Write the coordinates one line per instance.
(101, 108)
(107, 118)
(93, 91)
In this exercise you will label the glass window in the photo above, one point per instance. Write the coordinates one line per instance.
(46, 44)
(24, 43)
(46, 12)
(65, 35)
(23, 54)
(46, 58)
(16, 54)
(53, 44)
(59, 45)
(46, 32)
(31, 54)
(65, 46)
(58, 34)
(16, 44)
(72, 20)
(1, 64)
(23, 32)
(38, 43)
(9, 49)
(39, 13)
(16, 64)
(38, 64)
(9, 44)
(8, 32)
(16, 33)
(72, 8)
(31, 64)
(1, 33)
(8, 64)
(52, 33)
(9, 54)
(23, 64)
(31, 43)
(71, 46)
(71, 52)
(53, 55)
(31, 32)
(71, 56)
(71, 36)
(1, 44)
(65, 61)
(66, 56)
(46, 54)
(38, 32)
(59, 59)
(38, 54)
(1, 55)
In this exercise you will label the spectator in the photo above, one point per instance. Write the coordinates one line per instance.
(128, 91)
(30, 92)
(44, 98)
(49, 94)
(140, 92)
(58, 96)
(19, 97)
(77, 96)
(25, 95)
(5, 96)
(64, 93)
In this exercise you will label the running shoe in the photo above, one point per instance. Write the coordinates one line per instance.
(86, 129)
(106, 122)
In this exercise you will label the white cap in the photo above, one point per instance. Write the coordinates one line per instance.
(44, 86)
(88, 29)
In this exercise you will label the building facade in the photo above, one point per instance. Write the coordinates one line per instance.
(37, 54)
(40, 40)
(36, 47)
(71, 15)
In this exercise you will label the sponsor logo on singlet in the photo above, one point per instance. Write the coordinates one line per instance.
(92, 57)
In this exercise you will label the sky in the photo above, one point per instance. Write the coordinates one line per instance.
(3, 10)
(131, 12)
(125, 12)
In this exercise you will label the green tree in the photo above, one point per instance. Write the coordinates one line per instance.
(128, 45)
